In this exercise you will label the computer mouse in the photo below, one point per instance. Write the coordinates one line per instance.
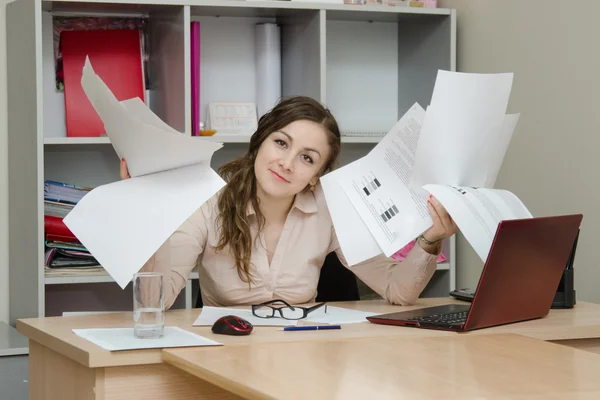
(232, 325)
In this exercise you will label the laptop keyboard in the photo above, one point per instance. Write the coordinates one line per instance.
(452, 320)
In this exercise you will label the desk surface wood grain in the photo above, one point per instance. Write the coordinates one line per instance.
(582, 322)
(452, 367)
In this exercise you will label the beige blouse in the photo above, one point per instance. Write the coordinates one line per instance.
(307, 237)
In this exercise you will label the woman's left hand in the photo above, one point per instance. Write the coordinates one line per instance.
(443, 225)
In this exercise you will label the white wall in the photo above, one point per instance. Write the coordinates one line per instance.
(552, 163)
(3, 172)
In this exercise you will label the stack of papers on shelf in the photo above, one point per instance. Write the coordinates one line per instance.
(453, 150)
(74, 271)
(124, 223)
(116, 339)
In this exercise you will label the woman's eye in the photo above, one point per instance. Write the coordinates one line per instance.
(307, 158)
(279, 142)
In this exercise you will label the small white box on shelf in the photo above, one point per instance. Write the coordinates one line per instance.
(233, 118)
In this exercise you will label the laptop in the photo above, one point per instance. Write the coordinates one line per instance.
(518, 282)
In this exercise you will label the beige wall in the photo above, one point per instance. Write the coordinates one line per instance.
(553, 161)
(3, 172)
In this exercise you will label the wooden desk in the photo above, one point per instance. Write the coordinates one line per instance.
(502, 366)
(58, 357)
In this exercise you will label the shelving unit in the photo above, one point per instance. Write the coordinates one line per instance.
(368, 64)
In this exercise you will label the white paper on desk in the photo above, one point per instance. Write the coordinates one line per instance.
(337, 316)
(137, 136)
(462, 129)
(209, 315)
(355, 239)
(394, 210)
(122, 224)
(117, 339)
(478, 211)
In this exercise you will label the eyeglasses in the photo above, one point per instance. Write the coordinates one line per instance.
(286, 311)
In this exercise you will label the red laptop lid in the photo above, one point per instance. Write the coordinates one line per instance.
(523, 270)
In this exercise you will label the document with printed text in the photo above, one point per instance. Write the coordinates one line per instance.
(457, 144)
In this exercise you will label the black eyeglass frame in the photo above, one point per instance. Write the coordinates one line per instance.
(305, 310)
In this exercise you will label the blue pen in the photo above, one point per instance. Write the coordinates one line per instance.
(311, 328)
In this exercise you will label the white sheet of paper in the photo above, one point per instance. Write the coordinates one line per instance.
(462, 127)
(137, 108)
(123, 223)
(117, 339)
(394, 211)
(477, 212)
(138, 137)
(337, 316)
(496, 157)
(209, 315)
(355, 239)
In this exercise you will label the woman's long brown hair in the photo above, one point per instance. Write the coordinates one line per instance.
(233, 221)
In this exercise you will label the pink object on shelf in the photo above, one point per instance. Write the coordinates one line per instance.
(403, 252)
(195, 56)
(430, 3)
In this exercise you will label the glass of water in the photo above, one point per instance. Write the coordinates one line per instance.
(148, 305)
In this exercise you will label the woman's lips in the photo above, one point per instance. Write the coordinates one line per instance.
(279, 177)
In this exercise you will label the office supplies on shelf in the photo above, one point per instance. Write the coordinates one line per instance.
(56, 226)
(64, 192)
(57, 209)
(195, 75)
(208, 316)
(312, 328)
(169, 169)
(60, 23)
(230, 118)
(268, 66)
(118, 339)
(118, 60)
(516, 284)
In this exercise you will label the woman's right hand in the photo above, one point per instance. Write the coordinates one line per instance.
(123, 171)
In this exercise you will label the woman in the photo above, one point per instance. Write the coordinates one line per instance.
(266, 234)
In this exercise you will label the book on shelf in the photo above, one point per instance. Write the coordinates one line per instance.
(62, 23)
(74, 272)
(57, 208)
(60, 192)
(195, 72)
(117, 57)
(67, 255)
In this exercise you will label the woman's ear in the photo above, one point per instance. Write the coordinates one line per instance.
(314, 180)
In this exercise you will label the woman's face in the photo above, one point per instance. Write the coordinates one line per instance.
(291, 158)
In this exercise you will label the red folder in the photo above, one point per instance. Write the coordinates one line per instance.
(116, 56)
(56, 226)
